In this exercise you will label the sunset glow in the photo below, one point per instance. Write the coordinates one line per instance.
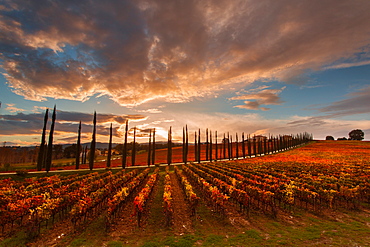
(259, 67)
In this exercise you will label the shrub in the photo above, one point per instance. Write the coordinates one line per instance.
(6, 166)
(22, 173)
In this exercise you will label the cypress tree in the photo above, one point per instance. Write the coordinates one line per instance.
(207, 151)
(231, 157)
(224, 146)
(50, 144)
(124, 152)
(237, 146)
(41, 156)
(153, 154)
(133, 153)
(110, 146)
(149, 147)
(210, 146)
(93, 143)
(186, 144)
(216, 146)
(169, 147)
(269, 145)
(78, 150)
(183, 145)
(228, 145)
(260, 146)
(199, 146)
(243, 145)
(254, 146)
(195, 147)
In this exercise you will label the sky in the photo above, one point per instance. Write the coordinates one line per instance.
(259, 67)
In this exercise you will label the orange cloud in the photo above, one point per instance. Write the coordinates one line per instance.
(262, 97)
(12, 108)
(138, 51)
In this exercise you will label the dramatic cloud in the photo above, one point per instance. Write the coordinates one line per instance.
(66, 124)
(260, 97)
(357, 103)
(137, 51)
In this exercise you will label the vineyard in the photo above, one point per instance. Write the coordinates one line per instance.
(309, 196)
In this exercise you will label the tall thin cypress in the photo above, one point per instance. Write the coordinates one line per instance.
(169, 147)
(231, 148)
(269, 141)
(260, 151)
(133, 154)
(210, 146)
(124, 151)
(183, 145)
(78, 148)
(41, 157)
(216, 156)
(149, 147)
(93, 144)
(228, 145)
(207, 150)
(237, 146)
(255, 146)
(225, 146)
(110, 146)
(50, 144)
(199, 146)
(195, 147)
(243, 145)
(186, 144)
(153, 154)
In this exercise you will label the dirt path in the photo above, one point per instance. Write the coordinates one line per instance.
(53, 235)
(182, 221)
(126, 223)
(153, 220)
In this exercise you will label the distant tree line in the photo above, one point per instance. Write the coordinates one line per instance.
(356, 135)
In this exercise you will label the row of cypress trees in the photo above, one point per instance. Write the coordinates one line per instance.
(249, 146)
(45, 152)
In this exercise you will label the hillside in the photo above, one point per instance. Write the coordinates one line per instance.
(328, 204)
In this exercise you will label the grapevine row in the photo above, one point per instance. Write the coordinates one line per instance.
(141, 199)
